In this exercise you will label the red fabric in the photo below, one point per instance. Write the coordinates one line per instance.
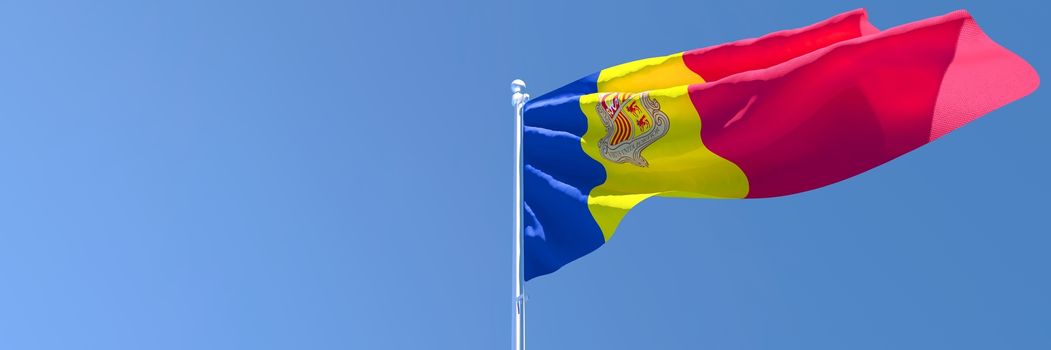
(844, 109)
(983, 76)
(720, 61)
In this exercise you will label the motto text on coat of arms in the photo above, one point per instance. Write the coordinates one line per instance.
(633, 122)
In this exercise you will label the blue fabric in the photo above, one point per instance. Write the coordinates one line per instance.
(556, 179)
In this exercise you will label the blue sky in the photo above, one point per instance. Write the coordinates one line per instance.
(337, 175)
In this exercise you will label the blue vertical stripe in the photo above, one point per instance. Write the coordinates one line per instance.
(557, 178)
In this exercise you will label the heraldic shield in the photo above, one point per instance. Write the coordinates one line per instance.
(633, 122)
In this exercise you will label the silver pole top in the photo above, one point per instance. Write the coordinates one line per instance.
(519, 98)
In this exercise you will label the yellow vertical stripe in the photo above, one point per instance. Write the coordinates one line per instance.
(647, 74)
(679, 164)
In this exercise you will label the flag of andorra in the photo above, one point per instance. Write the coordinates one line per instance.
(781, 114)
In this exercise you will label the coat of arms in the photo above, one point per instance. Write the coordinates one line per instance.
(633, 122)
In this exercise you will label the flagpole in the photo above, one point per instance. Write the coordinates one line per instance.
(518, 100)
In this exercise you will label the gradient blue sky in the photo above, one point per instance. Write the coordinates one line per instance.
(337, 175)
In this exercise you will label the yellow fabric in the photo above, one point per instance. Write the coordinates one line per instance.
(647, 74)
(679, 165)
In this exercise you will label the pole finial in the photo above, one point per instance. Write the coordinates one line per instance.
(519, 97)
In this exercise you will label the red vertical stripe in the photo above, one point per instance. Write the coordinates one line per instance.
(717, 62)
(842, 110)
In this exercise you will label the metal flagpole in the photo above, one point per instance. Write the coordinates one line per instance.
(518, 99)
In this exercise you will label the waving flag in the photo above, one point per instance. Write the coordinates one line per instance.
(785, 113)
